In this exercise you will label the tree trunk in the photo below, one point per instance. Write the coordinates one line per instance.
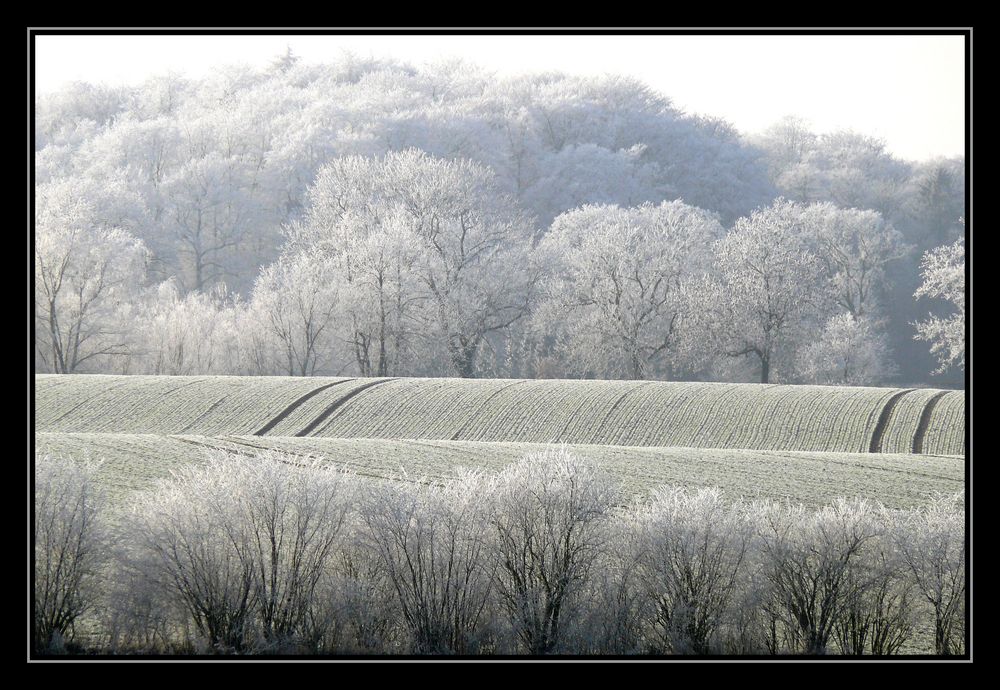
(463, 356)
(636, 365)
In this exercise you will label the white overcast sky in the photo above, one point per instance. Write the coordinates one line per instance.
(908, 90)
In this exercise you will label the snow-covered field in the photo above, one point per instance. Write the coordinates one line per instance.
(617, 413)
(805, 444)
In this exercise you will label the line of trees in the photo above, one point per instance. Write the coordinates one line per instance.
(192, 182)
(278, 554)
(413, 265)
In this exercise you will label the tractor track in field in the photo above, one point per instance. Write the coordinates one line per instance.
(925, 420)
(293, 405)
(353, 467)
(336, 404)
(883, 420)
(200, 444)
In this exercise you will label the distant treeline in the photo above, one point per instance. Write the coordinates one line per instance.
(379, 219)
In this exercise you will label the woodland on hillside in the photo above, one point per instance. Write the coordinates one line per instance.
(372, 218)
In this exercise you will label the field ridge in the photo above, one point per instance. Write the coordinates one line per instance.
(622, 413)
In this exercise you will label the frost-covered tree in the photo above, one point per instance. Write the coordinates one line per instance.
(295, 301)
(143, 149)
(934, 201)
(160, 95)
(430, 245)
(284, 62)
(599, 176)
(559, 142)
(76, 111)
(354, 223)
(182, 336)
(548, 527)
(358, 232)
(848, 168)
(206, 215)
(943, 272)
(87, 274)
(854, 247)
(849, 351)
(70, 547)
(433, 544)
(615, 297)
(858, 172)
(767, 291)
(789, 146)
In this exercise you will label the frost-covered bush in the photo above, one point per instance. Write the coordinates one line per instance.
(692, 560)
(931, 544)
(366, 600)
(850, 351)
(243, 544)
(548, 534)
(879, 615)
(71, 543)
(614, 609)
(809, 561)
(433, 545)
